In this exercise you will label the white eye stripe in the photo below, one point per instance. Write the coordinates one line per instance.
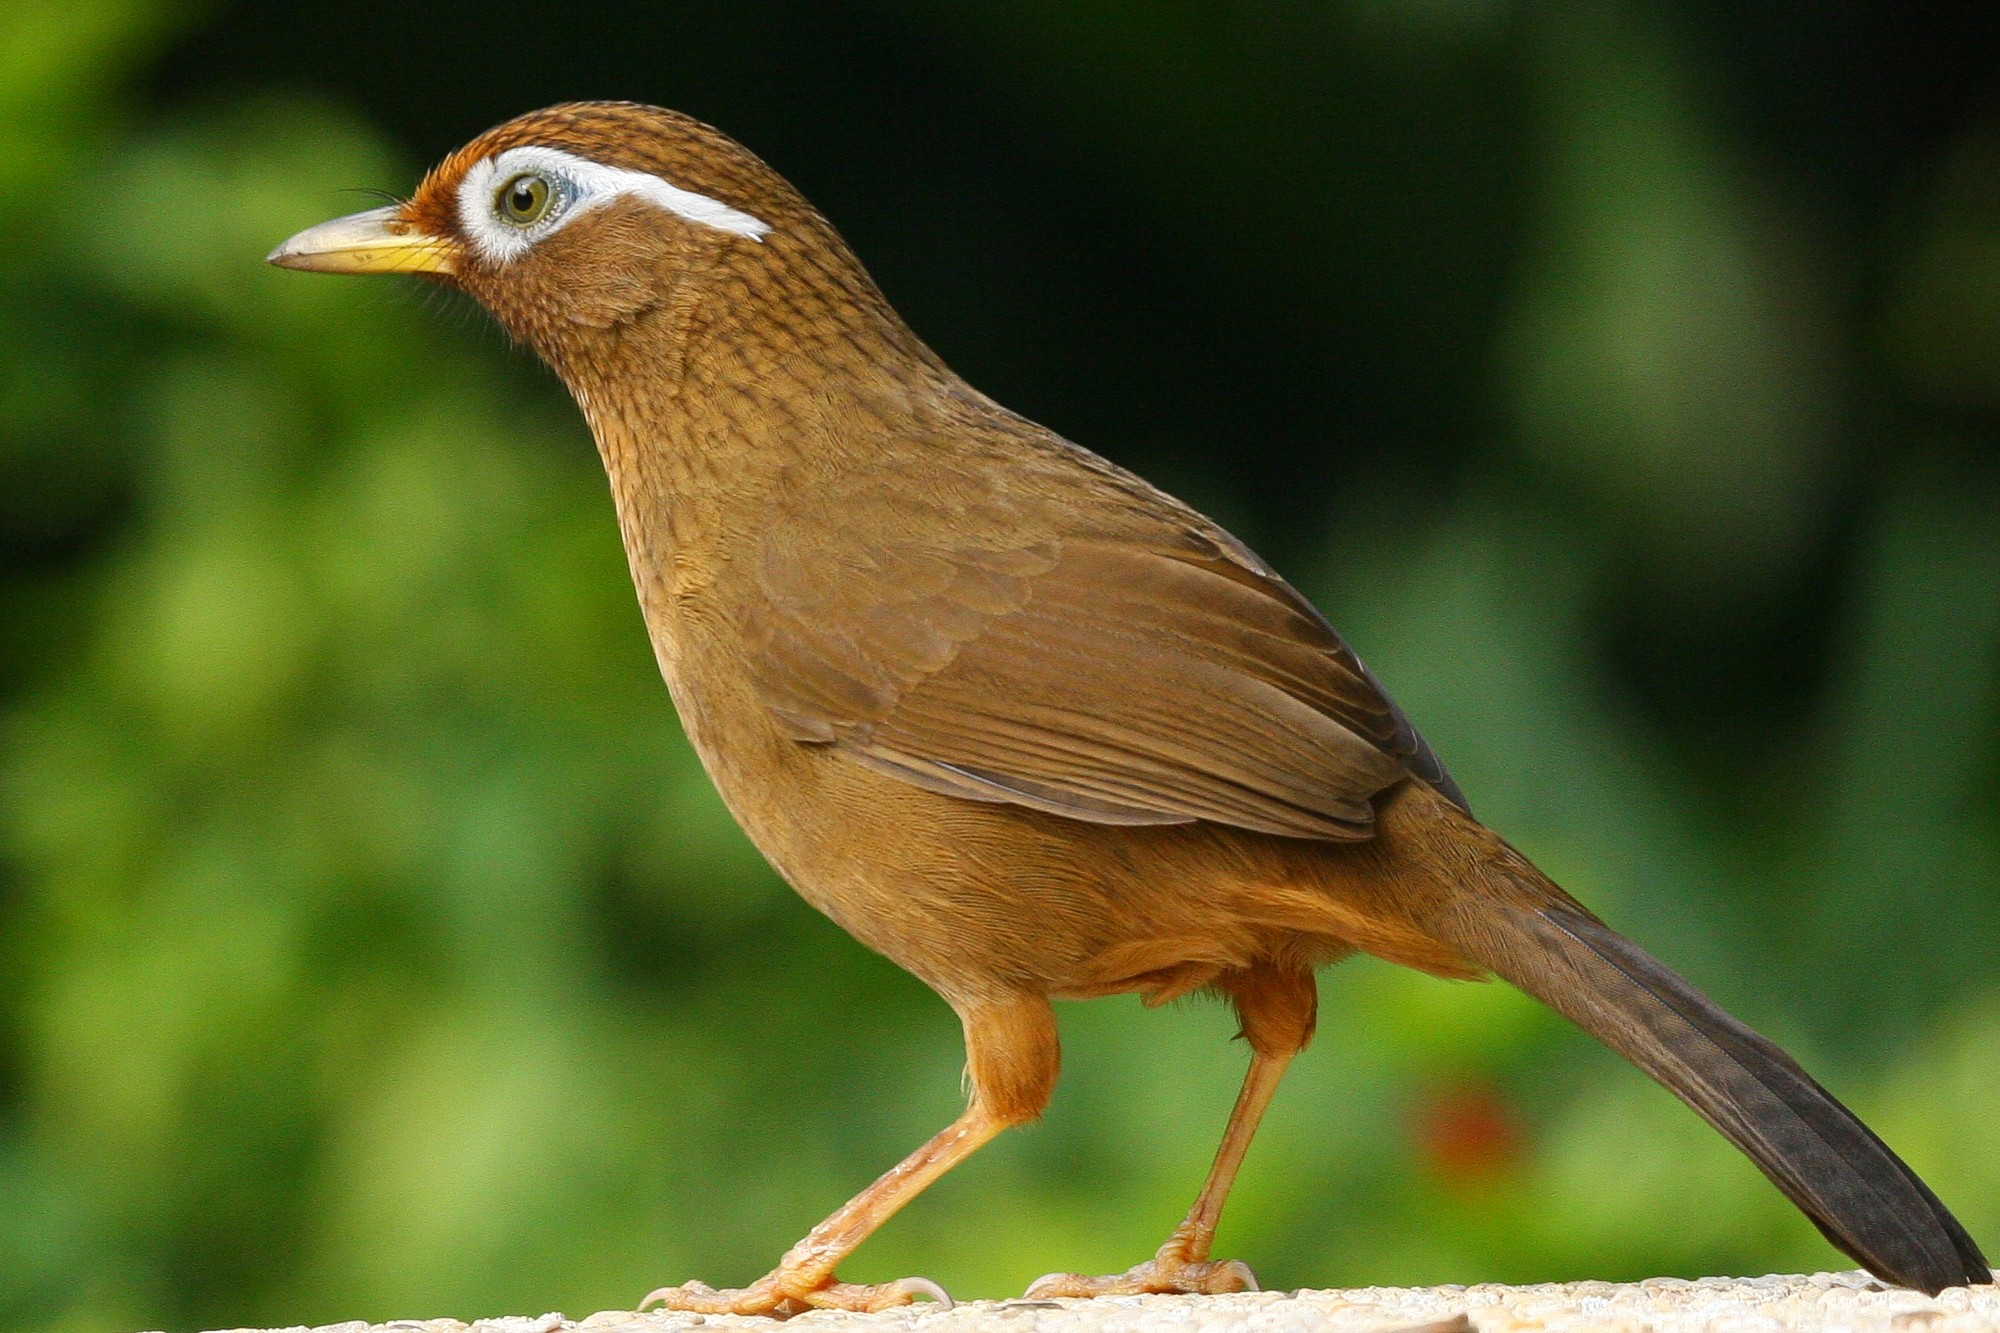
(578, 185)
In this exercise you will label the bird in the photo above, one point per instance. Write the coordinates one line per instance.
(1012, 717)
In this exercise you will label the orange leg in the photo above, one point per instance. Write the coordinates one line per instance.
(1011, 1057)
(1277, 1012)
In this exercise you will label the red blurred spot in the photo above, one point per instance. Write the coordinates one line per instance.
(1465, 1132)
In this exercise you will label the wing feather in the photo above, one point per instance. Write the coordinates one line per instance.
(1069, 641)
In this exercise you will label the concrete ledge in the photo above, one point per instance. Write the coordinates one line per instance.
(1820, 1303)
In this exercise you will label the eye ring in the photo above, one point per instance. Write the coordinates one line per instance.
(524, 199)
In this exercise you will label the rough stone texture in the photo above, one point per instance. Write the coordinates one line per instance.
(1822, 1303)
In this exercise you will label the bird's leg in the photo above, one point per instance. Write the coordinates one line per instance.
(1011, 1058)
(1182, 1264)
(804, 1278)
(1277, 1010)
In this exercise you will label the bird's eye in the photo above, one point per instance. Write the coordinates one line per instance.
(524, 200)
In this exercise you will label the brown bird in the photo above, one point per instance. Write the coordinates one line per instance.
(1015, 719)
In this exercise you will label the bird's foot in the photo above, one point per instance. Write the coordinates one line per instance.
(1164, 1275)
(782, 1295)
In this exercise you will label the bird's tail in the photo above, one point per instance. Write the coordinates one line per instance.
(1859, 1193)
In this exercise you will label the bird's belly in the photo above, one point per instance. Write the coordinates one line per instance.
(980, 900)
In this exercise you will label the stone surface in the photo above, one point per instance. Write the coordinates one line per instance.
(1822, 1303)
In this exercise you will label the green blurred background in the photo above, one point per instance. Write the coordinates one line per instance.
(1623, 379)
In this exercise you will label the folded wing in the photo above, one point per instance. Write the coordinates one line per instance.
(1106, 656)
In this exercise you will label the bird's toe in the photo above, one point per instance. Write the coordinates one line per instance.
(778, 1297)
(1155, 1277)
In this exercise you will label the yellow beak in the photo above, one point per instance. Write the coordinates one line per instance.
(365, 243)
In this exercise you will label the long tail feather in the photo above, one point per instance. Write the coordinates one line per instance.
(1859, 1193)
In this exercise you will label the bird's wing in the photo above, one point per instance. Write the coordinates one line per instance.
(1066, 638)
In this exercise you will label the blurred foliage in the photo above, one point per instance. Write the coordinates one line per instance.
(372, 946)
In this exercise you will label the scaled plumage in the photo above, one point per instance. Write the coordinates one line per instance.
(1011, 716)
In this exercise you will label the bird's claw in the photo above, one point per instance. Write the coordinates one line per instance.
(1155, 1277)
(913, 1287)
(777, 1297)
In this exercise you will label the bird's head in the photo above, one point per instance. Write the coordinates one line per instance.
(588, 217)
